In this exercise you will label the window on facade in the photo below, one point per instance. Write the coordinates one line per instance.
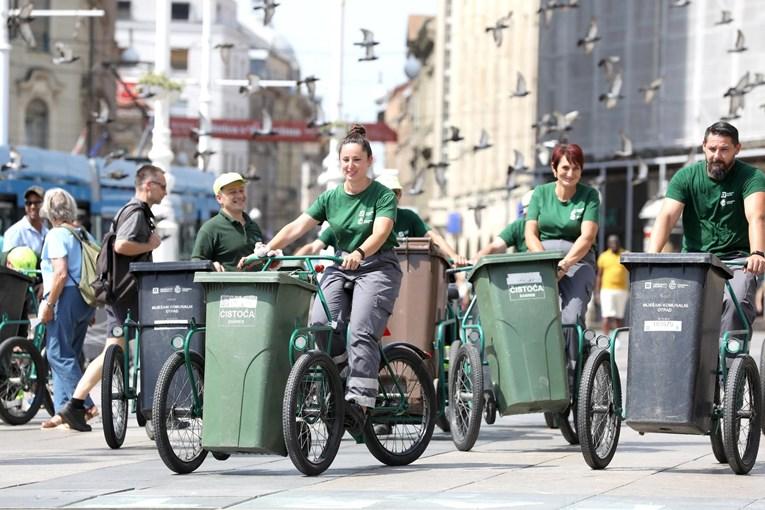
(36, 124)
(123, 10)
(179, 59)
(180, 11)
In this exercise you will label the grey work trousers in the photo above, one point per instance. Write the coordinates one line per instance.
(744, 286)
(363, 312)
(575, 291)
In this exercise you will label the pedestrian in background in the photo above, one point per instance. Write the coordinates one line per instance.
(512, 236)
(563, 215)
(612, 285)
(63, 310)
(135, 240)
(29, 231)
(722, 202)
(231, 234)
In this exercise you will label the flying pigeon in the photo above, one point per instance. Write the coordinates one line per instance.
(611, 98)
(520, 87)
(725, 18)
(205, 155)
(498, 27)
(253, 85)
(269, 7)
(14, 162)
(266, 126)
(225, 51)
(739, 46)
(63, 54)
(649, 92)
(19, 24)
(310, 85)
(626, 150)
(368, 43)
(103, 115)
(455, 134)
(680, 3)
(642, 174)
(483, 142)
(589, 40)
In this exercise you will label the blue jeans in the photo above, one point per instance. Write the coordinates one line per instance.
(65, 337)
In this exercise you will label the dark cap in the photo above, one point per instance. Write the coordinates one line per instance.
(37, 190)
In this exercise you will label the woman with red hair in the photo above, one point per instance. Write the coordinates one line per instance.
(563, 215)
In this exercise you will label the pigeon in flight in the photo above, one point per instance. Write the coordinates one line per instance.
(103, 115)
(205, 155)
(545, 124)
(483, 142)
(642, 173)
(546, 10)
(563, 122)
(14, 162)
(626, 150)
(310, 85)
(735, 105)
(544, 151)
(266, 126)
(520, 87)
(417, 185)
(19, 24)
(725, 18)
(742, 87)
(740, 45)
(225, 51)
(649, 92)
(680, 3)
(454, 135)
(253, 85)
(589, 40)
(611, 98)
(498, 27)
(114, 155)
(196, 132)
(611, 66)
(368, 43)
(63, 54)
(518, 166)
(269, 8)
(477, 208)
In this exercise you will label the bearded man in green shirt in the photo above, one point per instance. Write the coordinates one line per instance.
(722, 201)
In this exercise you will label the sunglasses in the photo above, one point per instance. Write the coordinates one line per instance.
(32, 202)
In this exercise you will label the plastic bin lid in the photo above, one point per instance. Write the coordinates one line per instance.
(631, 260)
(419, 246)
(278, 277)
(169, 267)
(11, 273)
(514, 258)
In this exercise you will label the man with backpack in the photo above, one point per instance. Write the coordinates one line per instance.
(131, 239)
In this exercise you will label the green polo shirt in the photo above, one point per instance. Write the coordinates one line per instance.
(713, 217)
(409, 224)
(352, 216)
(514, 235)
(328, 237)
(562, 220)
(225, 240)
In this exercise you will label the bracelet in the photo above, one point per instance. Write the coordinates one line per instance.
(758, 252)
(363, 255)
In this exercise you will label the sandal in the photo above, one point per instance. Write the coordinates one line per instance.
(52, 423)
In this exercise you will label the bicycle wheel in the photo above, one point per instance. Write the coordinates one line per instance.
(716, 429)
(22, 381)
(742, 415)
(312, 413)
(466, 396)
(598, 421)
(406, 403)
(177, 425)
(114, 401)
(762, 382)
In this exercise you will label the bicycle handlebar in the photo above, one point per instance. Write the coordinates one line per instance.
(252, 259)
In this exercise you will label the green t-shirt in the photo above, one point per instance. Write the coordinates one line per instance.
(514, 235)
(562, 220)
(352, 216)
(409, 224)
(713, 216)
(225, 240)
(328, 237)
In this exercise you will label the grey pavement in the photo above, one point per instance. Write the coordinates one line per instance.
(516, 463)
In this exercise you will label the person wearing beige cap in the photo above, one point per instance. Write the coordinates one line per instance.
(231, 234)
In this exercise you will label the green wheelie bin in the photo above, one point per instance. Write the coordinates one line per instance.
(520, 317)
(250, 317)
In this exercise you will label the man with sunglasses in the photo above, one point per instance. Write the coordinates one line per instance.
(30, 230)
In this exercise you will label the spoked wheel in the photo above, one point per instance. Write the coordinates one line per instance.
(114, 401)
(406, 403)
(312, 413)
(742, 415)
(551, 420)
(177, 423)
(22, 381)
(716, 431)
(466, 396)
(598, 421)
(762, 382)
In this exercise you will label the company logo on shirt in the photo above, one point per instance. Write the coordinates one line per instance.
(725, 198)
(402, 233)
(576, 214)
(365, 216)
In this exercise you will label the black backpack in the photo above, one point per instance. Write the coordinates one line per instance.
(113, 281)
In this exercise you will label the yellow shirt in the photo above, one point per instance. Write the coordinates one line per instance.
(615, 276)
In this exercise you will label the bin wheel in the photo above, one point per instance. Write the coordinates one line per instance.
(406, 403)
(742, 418)
(177, 425)
(149, 428)
(762, 383)
(22, 381)
(139, 417)
(598, 421)
(312, 413)
(551, 420)
(466, 396)
(567, 424)
(221, 456)
(716, 428)
(114, 401)
(489, 408)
